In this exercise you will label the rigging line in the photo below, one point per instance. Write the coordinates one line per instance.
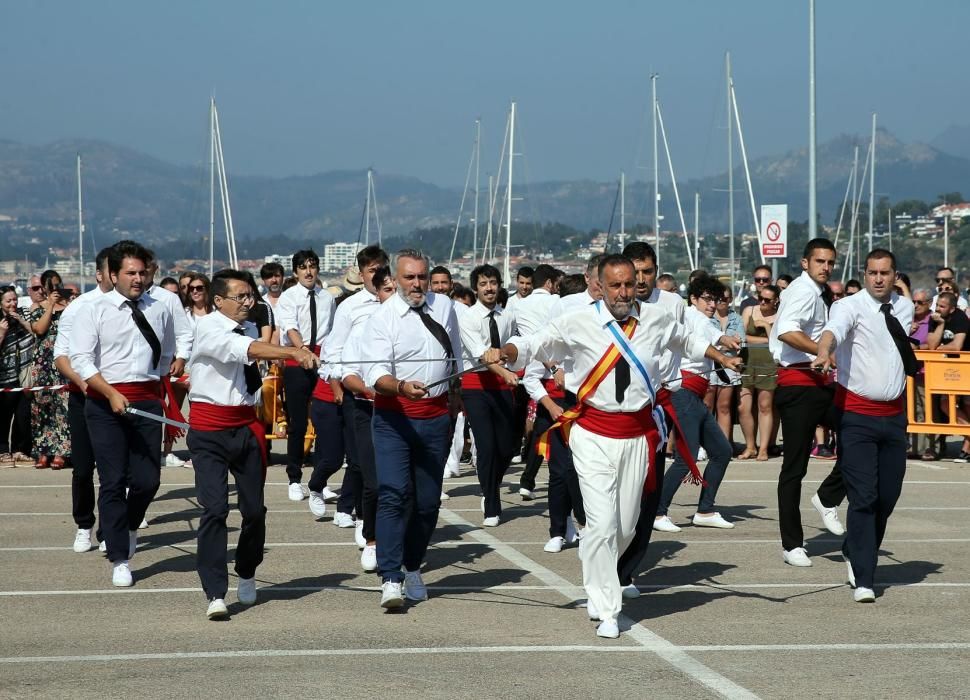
(461, 207)
(609, 231)
(363, 214)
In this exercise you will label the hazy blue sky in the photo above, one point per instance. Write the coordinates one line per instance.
(305, 87)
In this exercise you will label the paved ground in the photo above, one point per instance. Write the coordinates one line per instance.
(720, 614)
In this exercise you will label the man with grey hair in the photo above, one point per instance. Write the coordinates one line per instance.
(411, 349)
(35, 293)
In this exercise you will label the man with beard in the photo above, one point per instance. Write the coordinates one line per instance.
(272, 276)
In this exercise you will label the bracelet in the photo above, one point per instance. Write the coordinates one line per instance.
(400, 388)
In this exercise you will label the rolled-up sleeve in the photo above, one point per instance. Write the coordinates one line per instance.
(184, 332)
(84, 342)
(532, 381)
(692, 345)
(286, 314)
(795, 307)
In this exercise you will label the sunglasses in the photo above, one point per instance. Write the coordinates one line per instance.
(762, 300)
(36, 288)
(197, 288)
(920, 301)
(762, 280)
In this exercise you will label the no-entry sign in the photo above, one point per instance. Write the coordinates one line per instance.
(773, 236)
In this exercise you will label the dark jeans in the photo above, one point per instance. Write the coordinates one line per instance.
(9, 403)
(873, 466)
(564, 493)
(410, 455)
(699, 427)
(520, 411)
(490, 416)
(363, 414)
(298, 386)
(351, 490)
(802, 408)
(82, 462)
(328, 452)
(128, 452)
(215, 454)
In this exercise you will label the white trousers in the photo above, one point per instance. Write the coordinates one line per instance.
(457, 444)
(611, 475)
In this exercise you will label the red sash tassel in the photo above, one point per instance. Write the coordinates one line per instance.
(680, 442)
(172, 411)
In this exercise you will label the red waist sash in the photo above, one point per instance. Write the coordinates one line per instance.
(622, 426)
(323, 391)
(484, 380)
(294, 363)
(680, 442)
(133, 391)
(852, 402)
(422, 408)
(800, 374)
(208, 417)
(552, 390)
(694, 383)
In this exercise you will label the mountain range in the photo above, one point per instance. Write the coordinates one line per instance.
(128, 191)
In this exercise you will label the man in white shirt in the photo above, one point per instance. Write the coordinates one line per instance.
(121, 345)
(487, 393)
(866, 340)
(82, 454)
(614, 433)
(804, 398)
(411, 420)
(225, 436)
(535, 310)
(944, 276)
(523, 287)
(304, 314)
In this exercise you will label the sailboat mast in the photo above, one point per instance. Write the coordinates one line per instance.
(697, 229)
(730, 164)
(212, 183)
(812, 179)
(656, 170)
(80, 227)
(478, 162)
(872, 179)
(488, 232)
(747, 172)
(508, 195)
(622, 209)
(367, 210)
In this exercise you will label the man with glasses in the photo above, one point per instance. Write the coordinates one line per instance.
(226, 435)
(304, 314)
(946, 276)
(762, 277)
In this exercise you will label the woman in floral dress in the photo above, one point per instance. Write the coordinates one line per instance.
(48, 410)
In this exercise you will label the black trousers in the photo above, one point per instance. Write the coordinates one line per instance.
(128, 453)
(82, 462)
(215, 454)
(328, 452)
(363, 413)
(490, 415)
(351, 490)
(533, 460)
(564, 494)
(520, 411)
(873, 457)
(298, 385)
(9, 403)
(802, 408)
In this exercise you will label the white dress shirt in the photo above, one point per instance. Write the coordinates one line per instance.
(801, 309)
(293, 313)
(534, 311)
(184, 329)
(571, 302)
(62, 344)
(868, 361)
(475, 336)
(219, 359)
(105, 339)
(699, 326)
(532, 380)
(395, 332)
(584, 335)
(513, 301)
(352, 312)
(670, 361)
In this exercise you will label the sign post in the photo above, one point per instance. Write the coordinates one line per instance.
(773, 236)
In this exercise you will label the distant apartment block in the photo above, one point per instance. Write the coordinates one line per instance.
(339, 256)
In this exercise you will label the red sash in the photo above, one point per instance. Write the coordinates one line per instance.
(172, 412)
(552, 390)
(793, 376)
(422, 408)
(852, 402)
(323, 391)
(485, 380)
(133, 391)
(294, 363)
(208, 417)
(626, 425)
(680, 442)
(694, 383)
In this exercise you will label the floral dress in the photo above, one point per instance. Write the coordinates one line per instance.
(48, 409)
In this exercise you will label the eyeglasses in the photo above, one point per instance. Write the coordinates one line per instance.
(762, 280)
(921, 301)
(242, 298)
(197, 288)
(36, 288)
(707, 297)
(723, 300)
(762, 300)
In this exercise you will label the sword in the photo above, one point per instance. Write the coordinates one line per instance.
(160, 419)
(456, 375)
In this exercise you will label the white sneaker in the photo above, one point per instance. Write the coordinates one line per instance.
(368, 558)
(630, 592)
(328, 495)
(295, 492)
(132, 543)
(591, 611)
(796, 557)
(444, 496)
(712, 520)
(318, 506)
(343, 519)
(143, 525)
(82, 541)
(608, 629)
(526, 494)
(391, 595)
(453, 473)
(554, 545)
(851, 573)
(172, 461)
(491, 522)
(217, 609)
(665, 524)
(246, 591)
(414, 588)
(864, 595)
(121, 574)
(103, 547)
(359, 534)
(701, 454)
(830, 517)
(517, 459)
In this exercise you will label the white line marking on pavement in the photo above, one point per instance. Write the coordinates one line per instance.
(830, 647)
(664, 649)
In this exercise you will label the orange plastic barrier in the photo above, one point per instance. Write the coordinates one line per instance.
(946, 375)
(271, 411)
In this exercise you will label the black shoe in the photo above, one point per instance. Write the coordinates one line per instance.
(963, 458)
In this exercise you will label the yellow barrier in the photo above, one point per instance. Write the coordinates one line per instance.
(946, 374)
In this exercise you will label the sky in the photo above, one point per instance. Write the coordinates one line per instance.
(307, 87)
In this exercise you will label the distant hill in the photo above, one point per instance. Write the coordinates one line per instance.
(955, 140)
(125, 190)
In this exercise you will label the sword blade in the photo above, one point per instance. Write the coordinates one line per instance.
(456, 375)
(160, 419)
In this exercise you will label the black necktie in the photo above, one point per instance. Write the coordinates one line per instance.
(905, 348)
(621, 374)
(493, 331)
(313, 319)
(435, 328)
(146, 330)
(827, 296)
(253, 380)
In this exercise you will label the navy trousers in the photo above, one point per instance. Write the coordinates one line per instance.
(82, 462)
(328, 451)
(490, 414)
(564, 493)
(363, 413)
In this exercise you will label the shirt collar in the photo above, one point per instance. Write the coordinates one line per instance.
(118, 300)
(483, 311)
(540, 291)
(808, 279)
(605, 317)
